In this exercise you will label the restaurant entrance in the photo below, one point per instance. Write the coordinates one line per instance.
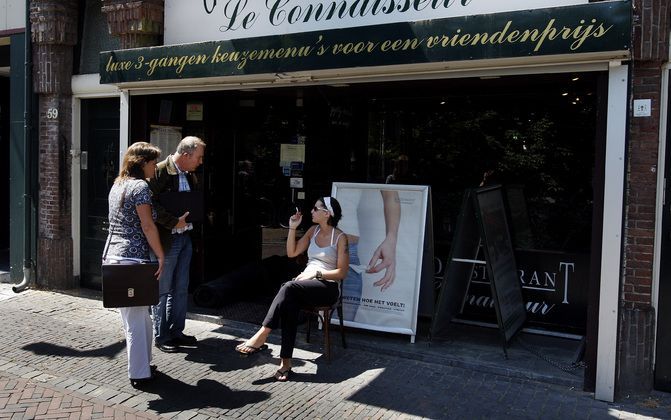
(273, 150)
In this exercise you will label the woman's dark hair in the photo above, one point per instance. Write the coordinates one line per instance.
(137, 155)
(337, 211)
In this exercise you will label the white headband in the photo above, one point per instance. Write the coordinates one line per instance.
(327, 203)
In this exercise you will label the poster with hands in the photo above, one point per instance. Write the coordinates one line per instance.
(385, 228)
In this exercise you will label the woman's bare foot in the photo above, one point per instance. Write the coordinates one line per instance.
(284, 372)
(256, 343)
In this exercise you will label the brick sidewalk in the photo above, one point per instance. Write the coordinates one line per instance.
(22, 398)
(63, 356)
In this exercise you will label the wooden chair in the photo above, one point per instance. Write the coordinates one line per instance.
(324, 314)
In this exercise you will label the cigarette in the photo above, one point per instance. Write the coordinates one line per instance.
(297, 211)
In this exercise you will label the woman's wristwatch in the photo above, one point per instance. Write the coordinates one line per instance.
(319, 275)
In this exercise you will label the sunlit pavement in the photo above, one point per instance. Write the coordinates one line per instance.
(63, 356)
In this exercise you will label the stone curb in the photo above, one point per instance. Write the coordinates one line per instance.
(479, 366)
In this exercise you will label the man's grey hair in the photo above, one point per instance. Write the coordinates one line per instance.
(189, 145)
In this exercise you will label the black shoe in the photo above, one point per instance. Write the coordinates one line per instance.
(185, 340)
(141, 382)
(168, 347)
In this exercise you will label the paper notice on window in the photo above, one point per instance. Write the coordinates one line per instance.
(166, 138)
(292, 153)
(194, 111)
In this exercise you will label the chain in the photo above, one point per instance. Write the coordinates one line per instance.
(568, 368)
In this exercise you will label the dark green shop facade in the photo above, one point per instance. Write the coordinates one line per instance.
(529, 100)
(16, 170)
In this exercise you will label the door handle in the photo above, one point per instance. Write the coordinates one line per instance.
(83, 157)
(84, 160)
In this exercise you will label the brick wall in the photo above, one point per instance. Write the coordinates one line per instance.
(136, 23)
(54, 245)
(635, 351)
(53, 33)
(641, 187)
(636, 321)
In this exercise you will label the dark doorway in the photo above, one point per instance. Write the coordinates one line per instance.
(100, 163)
(663, 341)
(4, 174)
(164, 120)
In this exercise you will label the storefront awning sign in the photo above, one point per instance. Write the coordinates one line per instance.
(594, 27)
(219, 20)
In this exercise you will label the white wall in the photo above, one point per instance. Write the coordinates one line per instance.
(12, 14)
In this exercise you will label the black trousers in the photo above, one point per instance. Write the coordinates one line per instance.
(293, 296)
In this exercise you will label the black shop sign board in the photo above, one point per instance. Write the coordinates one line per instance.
(598, 27)
(482, 221)
(554, 288)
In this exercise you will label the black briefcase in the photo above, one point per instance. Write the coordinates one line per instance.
(179, 202)
(129, 285)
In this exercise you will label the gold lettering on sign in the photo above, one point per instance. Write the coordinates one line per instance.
(179, 62)
(244, 56)
(113, 66)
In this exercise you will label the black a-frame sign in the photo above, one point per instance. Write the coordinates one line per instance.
(482, 221)
(458, 269)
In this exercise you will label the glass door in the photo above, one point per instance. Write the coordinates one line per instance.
(99, 168)
(262, 194)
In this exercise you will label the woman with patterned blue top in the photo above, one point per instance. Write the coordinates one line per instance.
(317, 285)
(132, 235)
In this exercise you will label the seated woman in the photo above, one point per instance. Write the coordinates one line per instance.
(317, 285)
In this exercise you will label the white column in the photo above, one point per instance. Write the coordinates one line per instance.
(75, 185)
(660, 200)
(612, 239)
(661, 184)
(124, 124)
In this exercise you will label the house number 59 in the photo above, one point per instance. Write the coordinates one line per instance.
(52, 113)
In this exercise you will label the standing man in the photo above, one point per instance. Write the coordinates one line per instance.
(174, 176)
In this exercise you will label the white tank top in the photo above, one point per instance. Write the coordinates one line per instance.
(323, 258)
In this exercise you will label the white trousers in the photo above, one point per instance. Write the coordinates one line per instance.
(139, 335)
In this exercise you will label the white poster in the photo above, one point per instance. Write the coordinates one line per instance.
(385, 227)
(165, 137)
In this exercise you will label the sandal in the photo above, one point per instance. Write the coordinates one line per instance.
(247, 350)
(283, 375)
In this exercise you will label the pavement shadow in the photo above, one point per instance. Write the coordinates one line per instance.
(175, 395)
(222, 357)
(220, 354)
(49, 349)
(335, 372)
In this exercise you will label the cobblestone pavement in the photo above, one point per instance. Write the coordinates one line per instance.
(63, 356)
